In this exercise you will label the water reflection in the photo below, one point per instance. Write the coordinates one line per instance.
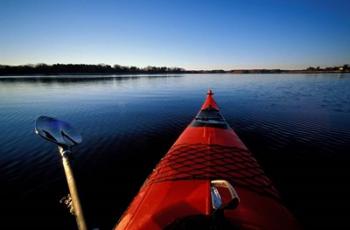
(298, 127)
(79, 78)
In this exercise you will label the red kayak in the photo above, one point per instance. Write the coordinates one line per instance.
(207, 180)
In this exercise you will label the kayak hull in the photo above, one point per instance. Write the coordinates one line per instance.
(180, 185)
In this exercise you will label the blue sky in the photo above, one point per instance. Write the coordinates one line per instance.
(194, 34)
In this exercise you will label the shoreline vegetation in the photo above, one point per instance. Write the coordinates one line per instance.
(72, 69)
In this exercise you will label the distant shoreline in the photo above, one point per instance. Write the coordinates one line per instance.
(82, 69)
(168, 73)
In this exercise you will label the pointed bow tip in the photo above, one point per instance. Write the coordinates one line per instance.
(209, 101)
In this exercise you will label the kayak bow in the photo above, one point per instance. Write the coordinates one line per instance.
(207, 178)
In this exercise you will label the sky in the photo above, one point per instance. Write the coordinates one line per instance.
(193, 34)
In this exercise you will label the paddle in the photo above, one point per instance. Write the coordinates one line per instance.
(65, 137)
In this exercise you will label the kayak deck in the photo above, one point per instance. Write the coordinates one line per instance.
(181, 185)
(210, 162)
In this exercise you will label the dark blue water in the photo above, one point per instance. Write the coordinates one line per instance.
(298, 127)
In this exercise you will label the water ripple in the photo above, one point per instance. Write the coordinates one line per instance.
(298, 126)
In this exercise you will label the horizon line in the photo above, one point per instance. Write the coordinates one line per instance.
(172, 67)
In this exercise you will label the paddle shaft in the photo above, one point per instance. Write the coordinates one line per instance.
(78, 211)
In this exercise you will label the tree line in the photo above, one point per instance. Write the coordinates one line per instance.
(44, 69)
(344, 68)
(83, 69)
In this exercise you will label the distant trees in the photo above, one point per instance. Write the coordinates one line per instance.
(42, 68)
(344, 68)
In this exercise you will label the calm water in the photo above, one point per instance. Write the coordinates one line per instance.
(298, 127)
